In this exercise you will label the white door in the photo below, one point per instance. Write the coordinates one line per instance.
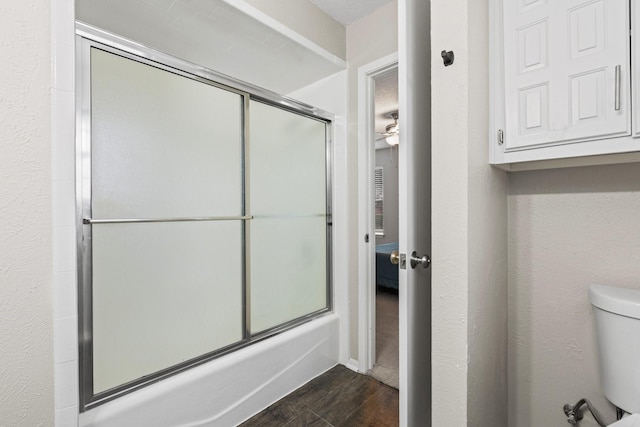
(414, 80)
(567, 71)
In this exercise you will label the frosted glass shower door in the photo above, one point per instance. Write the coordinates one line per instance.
(166, 206)
(288, 234)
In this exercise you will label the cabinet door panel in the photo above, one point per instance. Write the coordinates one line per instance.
(560, 71)
(524, 5)
(587, 29)
(588, 101)
(532, 47)
(534, 110)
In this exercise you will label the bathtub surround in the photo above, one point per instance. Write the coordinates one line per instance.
(230, 389)
(227, 381)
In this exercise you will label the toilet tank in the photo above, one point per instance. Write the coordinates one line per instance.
(617, 322)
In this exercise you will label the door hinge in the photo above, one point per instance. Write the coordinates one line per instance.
(500, 136)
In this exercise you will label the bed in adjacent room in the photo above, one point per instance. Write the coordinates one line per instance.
(386, 273)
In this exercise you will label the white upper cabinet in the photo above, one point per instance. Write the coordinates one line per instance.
(566, 69)
(564, 87)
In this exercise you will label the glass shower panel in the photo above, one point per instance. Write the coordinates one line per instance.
(289, 272)
(288, 235)
(163, 293)
(162, 145)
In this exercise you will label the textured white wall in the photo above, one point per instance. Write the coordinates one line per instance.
(26, 329)
(449, 248)
(368, 39)
(469, 248)
(487, 328)
(568, 228)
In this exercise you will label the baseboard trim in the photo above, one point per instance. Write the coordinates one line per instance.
(353, 365)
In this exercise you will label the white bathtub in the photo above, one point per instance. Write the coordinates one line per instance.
(232, 388)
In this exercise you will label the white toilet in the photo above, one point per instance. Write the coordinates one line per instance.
(617, 321)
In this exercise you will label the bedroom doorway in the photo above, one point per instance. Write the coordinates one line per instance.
(378, 343)
(385, 207)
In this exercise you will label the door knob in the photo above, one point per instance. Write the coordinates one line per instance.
(394, 257)
(415, 260)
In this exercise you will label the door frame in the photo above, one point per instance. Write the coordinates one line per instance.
(366, 250)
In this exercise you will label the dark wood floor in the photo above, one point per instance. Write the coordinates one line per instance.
(339, 397)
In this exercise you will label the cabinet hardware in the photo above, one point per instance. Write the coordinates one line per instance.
(617, 89)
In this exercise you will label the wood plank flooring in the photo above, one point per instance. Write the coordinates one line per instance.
(338, 398)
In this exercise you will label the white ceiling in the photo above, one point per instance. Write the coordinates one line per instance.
(348, 11)
(386, 98)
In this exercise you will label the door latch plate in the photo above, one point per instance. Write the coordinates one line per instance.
(403, 261)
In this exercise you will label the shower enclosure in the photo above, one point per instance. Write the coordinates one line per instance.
(204, 221)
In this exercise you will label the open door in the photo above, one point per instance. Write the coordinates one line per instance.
(414, 79)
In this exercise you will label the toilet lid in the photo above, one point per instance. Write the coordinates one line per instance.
(622, 301)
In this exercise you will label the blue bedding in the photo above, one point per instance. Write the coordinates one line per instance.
(386, 273)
